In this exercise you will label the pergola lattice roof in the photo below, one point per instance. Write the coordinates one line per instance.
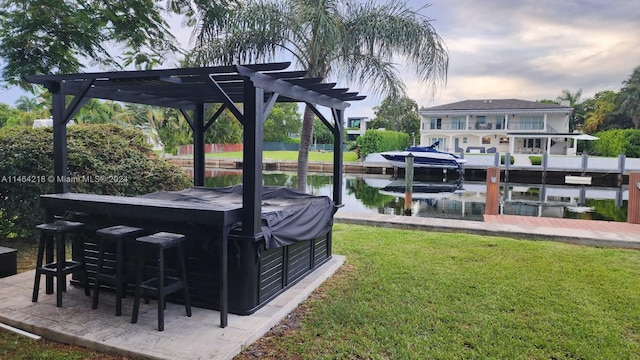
(184, 87)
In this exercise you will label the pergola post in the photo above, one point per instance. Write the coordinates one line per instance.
(338, 135)
(252, 159)
(198, 145)
(60, 162)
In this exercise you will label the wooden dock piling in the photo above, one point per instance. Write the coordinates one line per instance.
(408, 180)
(633, 206)
(493, 191)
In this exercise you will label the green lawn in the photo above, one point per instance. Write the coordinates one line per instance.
(349, 156)
(427, 295)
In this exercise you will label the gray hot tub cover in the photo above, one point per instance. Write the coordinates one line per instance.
(288, 215)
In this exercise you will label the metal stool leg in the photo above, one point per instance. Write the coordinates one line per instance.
(183, 270)
(119, 285)
(48, 254)
(61, 278)
(139, 275)
(160, 289)
(39, 260)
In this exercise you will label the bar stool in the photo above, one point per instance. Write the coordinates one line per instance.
(117, 235)
(55, 233)
(161, 285)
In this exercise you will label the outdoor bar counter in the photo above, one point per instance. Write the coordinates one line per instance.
(226, 271)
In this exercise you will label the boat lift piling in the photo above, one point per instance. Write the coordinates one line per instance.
(408, 179)
(545, 162)
(633, 216)
(493, 191)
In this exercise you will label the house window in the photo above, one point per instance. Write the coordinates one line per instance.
(500, 122)
(436, 123)
(486, 140)
(458, 123)
(533, 143)
(504, 140)
(464, 140)
(532, 122)
(481, 122)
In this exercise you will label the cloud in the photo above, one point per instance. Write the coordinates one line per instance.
(532, 49)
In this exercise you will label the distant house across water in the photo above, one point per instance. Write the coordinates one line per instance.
(356, 126)
(499, 125)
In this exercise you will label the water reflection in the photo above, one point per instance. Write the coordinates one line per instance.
(453, 200)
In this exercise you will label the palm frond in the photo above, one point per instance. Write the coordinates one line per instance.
(380, 75)
(253, 31)
(393, 29)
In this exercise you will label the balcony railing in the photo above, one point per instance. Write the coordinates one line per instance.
(461, 126)
(477, 126)
(518, 125)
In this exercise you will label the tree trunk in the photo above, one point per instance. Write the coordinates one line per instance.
(303, 154)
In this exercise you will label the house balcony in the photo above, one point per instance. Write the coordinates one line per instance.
(452, 126)
(448, 126)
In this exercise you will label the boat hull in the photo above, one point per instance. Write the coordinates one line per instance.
(427, 160)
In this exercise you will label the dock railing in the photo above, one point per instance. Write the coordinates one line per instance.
(584, 163)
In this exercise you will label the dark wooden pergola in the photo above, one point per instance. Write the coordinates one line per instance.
(257, 87)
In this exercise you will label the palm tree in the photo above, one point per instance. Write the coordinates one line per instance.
(599, 110)
(350, 40)
(578, 115)
(26, 103)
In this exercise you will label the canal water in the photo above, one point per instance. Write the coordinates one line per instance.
(463, 200)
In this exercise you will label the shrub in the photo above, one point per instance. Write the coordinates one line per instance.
(535, 160)
(103, 159)
(511, 159)
(615, 142)
(374, 141)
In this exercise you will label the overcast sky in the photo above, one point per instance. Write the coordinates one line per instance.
(522, 49)
(531, 50)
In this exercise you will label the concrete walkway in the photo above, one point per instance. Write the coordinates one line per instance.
(580, 232)
(197, 337)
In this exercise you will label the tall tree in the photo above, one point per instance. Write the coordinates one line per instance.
(599, 110)
(95, 111)
(360, 42)
(225, 130)
(27, 103)
(397, 114)
(6, 113)
(283, 120)
(43, 36)
(629, 97)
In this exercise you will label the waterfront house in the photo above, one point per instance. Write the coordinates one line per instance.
(356, 126)
(499, 125)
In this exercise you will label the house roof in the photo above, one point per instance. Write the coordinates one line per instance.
(495, 105)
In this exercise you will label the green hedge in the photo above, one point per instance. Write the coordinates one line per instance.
(511, 159)
(535, 160)
(103, 159)
(615, 142)
(375, 141)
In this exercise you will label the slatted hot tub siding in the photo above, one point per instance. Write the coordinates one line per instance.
(256, 275)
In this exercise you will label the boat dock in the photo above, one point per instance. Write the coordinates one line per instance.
(602, 171)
